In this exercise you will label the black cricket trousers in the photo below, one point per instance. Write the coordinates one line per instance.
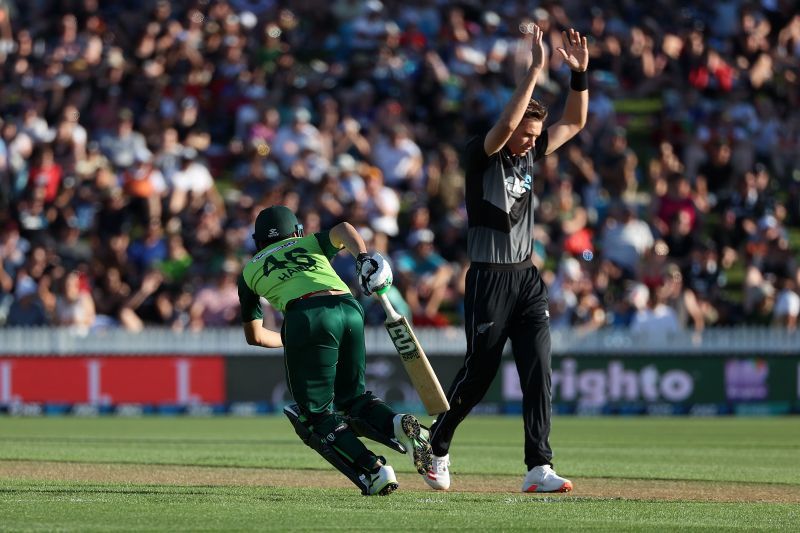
(503, 302)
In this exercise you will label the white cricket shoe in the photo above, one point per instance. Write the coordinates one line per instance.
(381, 483)
(414, 439)
(544, 479)
(438, 475)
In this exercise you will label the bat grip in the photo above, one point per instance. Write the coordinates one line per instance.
(391, 314)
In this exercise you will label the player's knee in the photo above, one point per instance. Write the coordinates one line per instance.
(371, 417)
(362, 406)
(327, 425)
(322, 438)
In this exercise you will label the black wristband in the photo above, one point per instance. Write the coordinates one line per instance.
(579, 81)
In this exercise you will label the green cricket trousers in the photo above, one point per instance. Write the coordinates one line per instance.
(325, 358)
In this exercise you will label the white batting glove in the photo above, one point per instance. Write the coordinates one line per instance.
(374, 273)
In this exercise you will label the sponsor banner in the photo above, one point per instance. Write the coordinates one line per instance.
(693, 385)
(254, 385)
(112, 380)
(262, 379)
(701, 381)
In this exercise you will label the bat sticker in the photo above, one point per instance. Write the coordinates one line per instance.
(403, 341)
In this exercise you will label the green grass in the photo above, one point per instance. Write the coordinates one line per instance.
(92, 507)
(749, 451)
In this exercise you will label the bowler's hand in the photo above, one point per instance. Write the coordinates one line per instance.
(537, 48)
(575, 50)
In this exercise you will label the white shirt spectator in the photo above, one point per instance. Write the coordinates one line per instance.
(787, 304)
(36, 128)
(382, 204)
(657, 322)
(370, 27)
(563, 299)
(386, 223)
(291, 140)
(398, 158)
(122, 150)
(624, 243)
(195, 178)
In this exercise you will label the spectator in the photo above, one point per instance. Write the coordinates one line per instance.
(175, 267)
(787, 304)
(35, 126)
(27, 309)
(366, 116)
(292, 139)
(145, 185)
(617, 166)
(111, 297)
(677, 199)
(192, 184)
(382, 203)
(168, 158)
(626, 238)
(564, 291)
(400, 159)
(125, 145)
(350, 140)
(717, 173)
(571, 232)
(217, 304)
(150, 249)
(74, 305)
(704, 281)
(424, 278)
(369, 28)
(46, 174)
(653, 318)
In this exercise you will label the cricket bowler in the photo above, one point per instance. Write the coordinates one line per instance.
(505, 296)
(324, 349)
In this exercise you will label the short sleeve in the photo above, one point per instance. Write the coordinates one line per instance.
(249, 302)
(324, 240)
(476, 158)
(540, 146)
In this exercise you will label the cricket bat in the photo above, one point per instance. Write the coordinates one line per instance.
(414, 359)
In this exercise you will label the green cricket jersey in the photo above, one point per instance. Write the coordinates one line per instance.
(286, 270)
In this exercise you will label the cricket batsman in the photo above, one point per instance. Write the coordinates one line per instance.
(324, 349)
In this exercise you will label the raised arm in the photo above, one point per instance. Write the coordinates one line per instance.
(576, 54)
(515, 109)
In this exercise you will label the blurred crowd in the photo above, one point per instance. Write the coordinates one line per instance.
(139, 139)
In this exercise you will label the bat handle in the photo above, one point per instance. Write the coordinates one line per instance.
(391, 314)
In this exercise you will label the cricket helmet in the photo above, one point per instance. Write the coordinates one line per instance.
(276, 223)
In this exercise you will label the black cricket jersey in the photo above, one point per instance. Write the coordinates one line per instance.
(499, 197)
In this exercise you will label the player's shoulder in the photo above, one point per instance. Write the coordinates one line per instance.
(475, 142)
(474, 151)
(273, 248)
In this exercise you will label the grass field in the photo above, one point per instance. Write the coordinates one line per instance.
(200, 474)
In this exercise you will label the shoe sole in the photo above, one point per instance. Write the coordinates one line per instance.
(432, 483)
(422, 451)
(566, 487)
(388, 489)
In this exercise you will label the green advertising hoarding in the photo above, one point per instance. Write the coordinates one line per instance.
(702, 384)
(607, 383)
